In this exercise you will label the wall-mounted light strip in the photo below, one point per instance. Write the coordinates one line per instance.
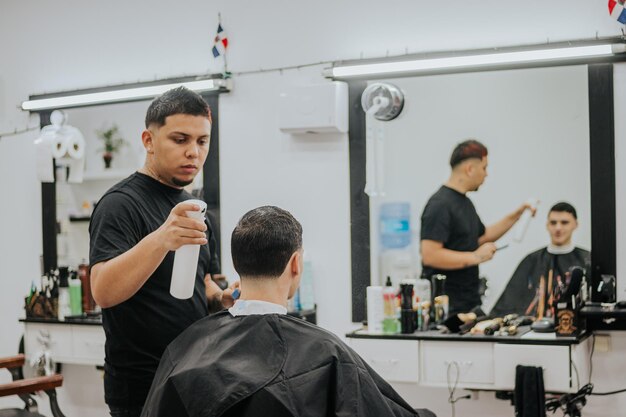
(116, 96)
(477, 61)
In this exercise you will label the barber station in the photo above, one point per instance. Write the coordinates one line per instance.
(430, 225)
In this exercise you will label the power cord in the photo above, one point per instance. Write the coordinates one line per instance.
(452, 389)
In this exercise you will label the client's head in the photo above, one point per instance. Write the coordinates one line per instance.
(266, 247)
(562, 221)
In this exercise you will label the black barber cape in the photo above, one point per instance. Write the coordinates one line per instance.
(522, 289)
(266, 365)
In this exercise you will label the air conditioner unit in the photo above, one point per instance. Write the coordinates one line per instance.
(315, 108)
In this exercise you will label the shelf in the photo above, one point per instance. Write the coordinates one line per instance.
(112, 174)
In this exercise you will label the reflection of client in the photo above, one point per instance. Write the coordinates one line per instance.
(532, 287)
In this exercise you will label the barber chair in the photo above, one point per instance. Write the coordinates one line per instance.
(25, 387)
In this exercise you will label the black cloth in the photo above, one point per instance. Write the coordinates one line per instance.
(529, 396)
(522, 288)
(139, 329)
(450, 218)
(266, 365)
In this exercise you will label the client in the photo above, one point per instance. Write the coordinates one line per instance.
(255, 360)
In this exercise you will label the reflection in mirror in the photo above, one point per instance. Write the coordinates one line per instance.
(535, 124)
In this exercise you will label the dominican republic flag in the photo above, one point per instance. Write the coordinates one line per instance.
(220, 43)
(616, 9)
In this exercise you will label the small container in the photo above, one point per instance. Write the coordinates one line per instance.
(390, 321)
(76, 297)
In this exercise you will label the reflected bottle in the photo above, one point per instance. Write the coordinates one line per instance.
(390, 320)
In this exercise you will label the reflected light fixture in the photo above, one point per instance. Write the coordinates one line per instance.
(478, 61)
(121, 95)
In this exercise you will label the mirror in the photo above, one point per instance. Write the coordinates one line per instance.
(535, 124)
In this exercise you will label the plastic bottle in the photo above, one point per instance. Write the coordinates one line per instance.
(76, 297)
(186, 260)
(65, 308)
(395, 230)
(390, 320)
(375, 311)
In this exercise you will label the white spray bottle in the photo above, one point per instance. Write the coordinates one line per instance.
(186, 260)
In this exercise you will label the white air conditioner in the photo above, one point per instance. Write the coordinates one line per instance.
(316, 108)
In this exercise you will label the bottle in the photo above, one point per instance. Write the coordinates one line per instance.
(395, 230)
(390, 322)
(422, 289)
(65, 308)
(76, 297)
(408, 316)
(186, 261)
(89, 304)
(375, 311)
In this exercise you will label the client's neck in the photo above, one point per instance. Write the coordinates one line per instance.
(272, 290)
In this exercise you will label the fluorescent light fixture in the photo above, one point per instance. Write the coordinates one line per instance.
(502, 58)
(116, 96)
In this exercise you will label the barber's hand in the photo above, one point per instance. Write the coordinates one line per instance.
(485, 252)
(179, 230)
(214, 292)
(523, 207)
(227, 295)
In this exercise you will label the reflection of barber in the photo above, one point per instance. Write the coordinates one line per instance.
(454, 241)
(523, 294)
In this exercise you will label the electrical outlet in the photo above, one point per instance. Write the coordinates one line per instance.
(602, 343)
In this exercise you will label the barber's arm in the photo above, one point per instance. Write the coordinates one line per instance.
(138, 263)
(495, 231)
(436, 256)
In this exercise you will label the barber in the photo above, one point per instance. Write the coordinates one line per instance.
(135, 229)
(454, 241)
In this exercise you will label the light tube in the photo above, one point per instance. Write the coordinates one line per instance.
(531, 56)
(115, 96)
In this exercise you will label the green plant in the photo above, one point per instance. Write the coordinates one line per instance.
(112, 141)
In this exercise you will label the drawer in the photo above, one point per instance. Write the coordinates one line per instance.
(57, 338)
(441, 362)
(555, 361)
(394, 360)
(88, 344)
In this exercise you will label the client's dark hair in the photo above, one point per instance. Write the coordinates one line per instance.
(178, 100)
(563, 206)
(263, 242)
(467, 150)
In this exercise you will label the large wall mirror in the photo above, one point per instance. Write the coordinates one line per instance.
(66, 206)
(538, 124)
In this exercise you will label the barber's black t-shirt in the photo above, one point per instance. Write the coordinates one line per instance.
(450, 217)
(139, 329)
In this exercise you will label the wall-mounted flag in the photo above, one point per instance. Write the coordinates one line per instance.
(220, 43)
(617, 11)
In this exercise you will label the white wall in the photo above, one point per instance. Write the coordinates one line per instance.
(69, 44)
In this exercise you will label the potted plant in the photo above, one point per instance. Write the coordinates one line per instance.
(112, 142)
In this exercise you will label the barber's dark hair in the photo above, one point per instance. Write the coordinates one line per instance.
(178, 100)
(467, 150)
(263, 242)
(563, 206)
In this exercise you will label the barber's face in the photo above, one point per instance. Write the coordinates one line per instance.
(477, 172)
(177, 150)
(561, 226)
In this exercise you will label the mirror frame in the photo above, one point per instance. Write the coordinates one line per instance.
(602, 175)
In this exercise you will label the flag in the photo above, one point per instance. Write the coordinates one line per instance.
(220, 43)
(616, 10)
